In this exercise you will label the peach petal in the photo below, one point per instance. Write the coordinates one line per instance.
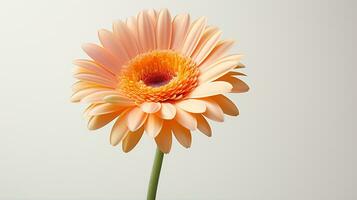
(226, 104)
(118, 99)
(98, 97)
(180, 26)
(98, 121)
(152, 13)
(103, 57)
(206, 45)
(79, 95)
(193, 36)
(203, 125)
(110, 42)
(132, 139)
(119, 129)
(218, 52)
(164, 30)
(164, 139)
(210, 89)
(153, 125)
(213, 111)
(218, 69)
(240, 65)
(150, 107)
(186, 119)
(81, 85)
(192, 105)
(182, 135)
(93, 67)
(146, 32)
(132, 24)
(96, 79)
(136, 118)
(104, 108)
(128, 39)
(89, 108)
(226, 60)
(238, 85)
(82, 70)
(232, 73)
(167, 111)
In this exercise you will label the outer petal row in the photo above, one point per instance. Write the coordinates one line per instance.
(132, 122)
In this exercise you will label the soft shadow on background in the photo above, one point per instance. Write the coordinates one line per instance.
(295, 138)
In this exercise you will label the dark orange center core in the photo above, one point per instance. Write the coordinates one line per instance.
(156, 79)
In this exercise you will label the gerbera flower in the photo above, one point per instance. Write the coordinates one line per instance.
(160, 75)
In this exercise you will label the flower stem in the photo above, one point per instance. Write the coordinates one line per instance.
(155, 174)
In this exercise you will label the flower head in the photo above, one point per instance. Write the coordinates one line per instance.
(159, 75)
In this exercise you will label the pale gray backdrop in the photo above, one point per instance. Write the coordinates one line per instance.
(295, 138)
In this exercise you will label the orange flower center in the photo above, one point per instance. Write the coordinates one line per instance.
(158, 76)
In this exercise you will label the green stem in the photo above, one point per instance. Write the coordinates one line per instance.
(155, 174)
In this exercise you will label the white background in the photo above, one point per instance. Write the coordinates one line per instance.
(295, 138)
